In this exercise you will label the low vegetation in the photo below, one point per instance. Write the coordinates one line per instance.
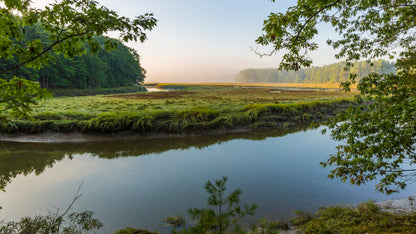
(191, 109)
(363, 218)
(56, 222)
(366, 217)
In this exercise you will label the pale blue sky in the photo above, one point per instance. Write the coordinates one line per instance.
(209, 40)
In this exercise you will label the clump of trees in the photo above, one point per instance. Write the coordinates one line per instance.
(103, 69)
(70, 28)
(333, 73)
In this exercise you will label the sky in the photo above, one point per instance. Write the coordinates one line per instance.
(205, 40)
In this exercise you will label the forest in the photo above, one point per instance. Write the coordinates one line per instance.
(106, 69)
(333, 73)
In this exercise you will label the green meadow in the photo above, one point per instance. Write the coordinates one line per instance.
(184, 108)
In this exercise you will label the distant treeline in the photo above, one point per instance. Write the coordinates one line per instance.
(106, 69)
(333, 73)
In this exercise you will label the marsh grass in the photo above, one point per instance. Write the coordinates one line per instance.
(364, 218)
(203, 109)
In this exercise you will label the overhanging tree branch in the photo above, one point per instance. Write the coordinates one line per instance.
(308, 20)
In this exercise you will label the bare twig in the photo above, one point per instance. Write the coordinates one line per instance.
(263, 54)
(59, 218)
(77, 195)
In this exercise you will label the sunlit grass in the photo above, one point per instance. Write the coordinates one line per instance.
(218, 98)
(197, 108)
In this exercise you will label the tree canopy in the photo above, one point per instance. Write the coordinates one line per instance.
(105, 69)
(378, 136)
(71, 28)
(333, 73)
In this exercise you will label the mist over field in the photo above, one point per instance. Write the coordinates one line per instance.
(192, 75)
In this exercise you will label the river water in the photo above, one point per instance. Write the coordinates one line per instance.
(138, 183)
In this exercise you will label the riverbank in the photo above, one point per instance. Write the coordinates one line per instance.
(198, 120)
(391, 216)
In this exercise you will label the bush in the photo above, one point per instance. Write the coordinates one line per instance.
(72, 224)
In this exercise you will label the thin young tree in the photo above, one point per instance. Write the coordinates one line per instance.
(222, 212)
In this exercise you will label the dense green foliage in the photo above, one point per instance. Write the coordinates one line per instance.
(69, 28)
(104, 68)
(334, 73)
(17, 95)
(379, 136)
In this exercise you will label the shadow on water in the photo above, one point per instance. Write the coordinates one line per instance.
(18, 158)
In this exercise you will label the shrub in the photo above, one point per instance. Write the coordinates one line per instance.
(75, 223)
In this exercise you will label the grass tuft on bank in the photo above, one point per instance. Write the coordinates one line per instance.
(363, 218)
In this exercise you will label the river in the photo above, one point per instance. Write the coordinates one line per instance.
(138, 183)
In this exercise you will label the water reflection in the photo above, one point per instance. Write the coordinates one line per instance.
(277, 170)
(24, 158)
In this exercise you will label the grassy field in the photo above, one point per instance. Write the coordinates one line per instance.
(219, 98)
(269, 85)
(210, 106)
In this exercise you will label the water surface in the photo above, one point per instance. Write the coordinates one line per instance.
(139, 183)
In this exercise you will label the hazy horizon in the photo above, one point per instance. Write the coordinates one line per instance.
(200, 41)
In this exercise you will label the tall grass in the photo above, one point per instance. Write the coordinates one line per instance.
(195, 119)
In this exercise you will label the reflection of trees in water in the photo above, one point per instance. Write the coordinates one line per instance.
(26, 158)
(24, 162)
